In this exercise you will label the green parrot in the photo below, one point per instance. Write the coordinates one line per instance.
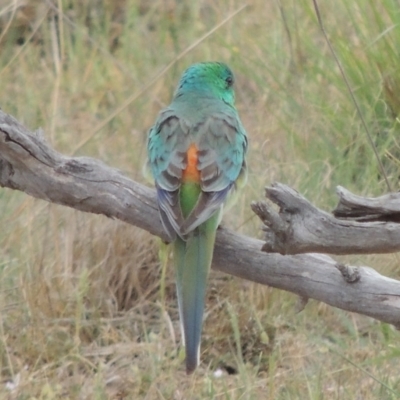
(196, 154)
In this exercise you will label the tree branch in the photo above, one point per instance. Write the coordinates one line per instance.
(29, 164)
(383, 208)
(300, 227)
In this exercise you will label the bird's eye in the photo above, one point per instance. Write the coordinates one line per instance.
(229, 81)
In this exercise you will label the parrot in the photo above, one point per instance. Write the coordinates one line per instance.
(196, 155)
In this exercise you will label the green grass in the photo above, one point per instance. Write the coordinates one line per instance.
(86, 310)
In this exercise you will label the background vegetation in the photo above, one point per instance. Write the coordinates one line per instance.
(86, 311)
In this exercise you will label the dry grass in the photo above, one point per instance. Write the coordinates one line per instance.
(86, 310)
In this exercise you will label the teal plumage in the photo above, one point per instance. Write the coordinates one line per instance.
(196, 153)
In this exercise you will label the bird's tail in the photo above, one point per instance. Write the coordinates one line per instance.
(192, 262)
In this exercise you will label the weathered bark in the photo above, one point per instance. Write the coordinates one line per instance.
(383, 208)
(28, 164)
(300, 227)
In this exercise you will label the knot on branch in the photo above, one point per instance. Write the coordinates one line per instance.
(349, 273)
(72, 166)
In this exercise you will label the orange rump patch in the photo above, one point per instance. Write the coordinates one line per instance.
(191, 173)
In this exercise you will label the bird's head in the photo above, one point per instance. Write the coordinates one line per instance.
(209, 78)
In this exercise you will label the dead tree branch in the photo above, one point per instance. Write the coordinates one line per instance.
(383, 208)
(300, 227)
(29, 164)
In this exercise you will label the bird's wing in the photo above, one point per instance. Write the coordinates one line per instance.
(222, 144)
(168, 142)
